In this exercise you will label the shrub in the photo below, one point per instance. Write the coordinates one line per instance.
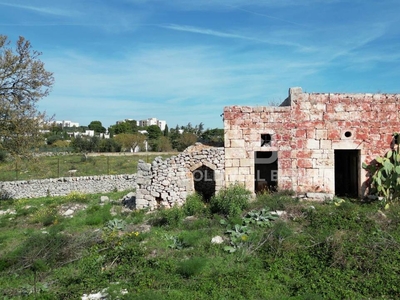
(172, 216)
(194, 205)
(191, 267)
(3, 156)
(276, 201)
(78, 197)
(231, 201)
(97, 215)
(47, 215)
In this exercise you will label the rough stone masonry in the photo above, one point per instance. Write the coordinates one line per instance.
(167, 183)
(313, 142)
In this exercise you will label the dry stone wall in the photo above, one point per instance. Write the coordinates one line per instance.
(65, 185)
(166, 183)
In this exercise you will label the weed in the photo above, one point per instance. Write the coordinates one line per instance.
(261, 217)
(47, 215)
(191, 267)
(172, 217)
(77, 197)
(194, 205)
(115, 225)
(97, 215)
(230, 201)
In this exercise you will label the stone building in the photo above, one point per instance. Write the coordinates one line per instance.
(312, 142)
(165, 183)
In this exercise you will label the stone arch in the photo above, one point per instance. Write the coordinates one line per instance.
(204, 181)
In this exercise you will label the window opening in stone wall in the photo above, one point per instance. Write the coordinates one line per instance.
(347, 173)
(347, 134)
(204, 182)
(266, 171)
(265, 139)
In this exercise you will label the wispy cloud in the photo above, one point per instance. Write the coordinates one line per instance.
(274, 38)
(43, 10)
(207, 32)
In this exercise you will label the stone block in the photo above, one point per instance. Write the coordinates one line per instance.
(233, 134)
(237, 143)
(312, 144)
(235, 153)
(246, 162)
(326, 144)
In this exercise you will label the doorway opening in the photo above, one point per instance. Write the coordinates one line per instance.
(347, 170)
(265, 171)
(204, 182)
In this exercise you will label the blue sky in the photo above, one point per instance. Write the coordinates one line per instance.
(183, 60)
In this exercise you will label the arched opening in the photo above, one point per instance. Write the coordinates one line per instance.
(204, 182)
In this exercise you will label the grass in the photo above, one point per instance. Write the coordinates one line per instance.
(329, 250)
(59, 166)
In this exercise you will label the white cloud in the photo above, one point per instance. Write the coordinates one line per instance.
(43, 9)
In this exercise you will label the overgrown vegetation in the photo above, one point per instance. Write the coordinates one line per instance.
(340, 249)
(61, 166)
(384, 173)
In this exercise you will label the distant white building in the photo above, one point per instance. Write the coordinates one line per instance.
(66, 123)
(152, 121)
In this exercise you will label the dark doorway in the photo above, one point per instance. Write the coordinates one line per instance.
(266, 171)
(347, 173)
(204, 182)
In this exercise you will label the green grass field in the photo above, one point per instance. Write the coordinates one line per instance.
(330, 250)
(60, 166)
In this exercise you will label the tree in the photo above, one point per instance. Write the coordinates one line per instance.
(213, 137)
(162, 144)
(166, 131)
(23, 82)
(130, 141)
(186, 139)
(97, 127)
(154, 132)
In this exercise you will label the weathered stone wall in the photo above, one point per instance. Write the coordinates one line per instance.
(169, 182)
(305, 132)
(65, 185)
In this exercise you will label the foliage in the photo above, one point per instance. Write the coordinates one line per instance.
(239, 235)
(129, 141)
(3, 156)
(171, 216)
(261, 217)
(385, 175)
(213, 137)
(230, 201)
(109, 145)
(191, 267)
(59, 165)
(77, 197)
(128, 126)
(97, 127)
(185, 140)
(194, 205)
(154, 132)
(23, 82)
(317, 251)
(85, 144)
(115, 224)
(162, 144)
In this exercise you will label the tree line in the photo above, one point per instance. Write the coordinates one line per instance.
(127, 136)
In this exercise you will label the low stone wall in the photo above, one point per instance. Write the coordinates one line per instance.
(65, 185)
(166, 183)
